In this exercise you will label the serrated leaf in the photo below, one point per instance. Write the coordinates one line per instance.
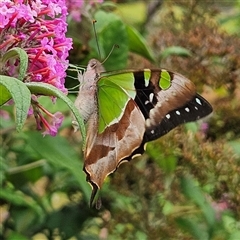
(137, 44)
(49, 90)
(58, 152)
(175, 50)
(21, 96)
(23, 60)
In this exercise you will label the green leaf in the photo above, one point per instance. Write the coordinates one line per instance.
(18, 198)
(49, 90)
(18, 236)
(132, 12)
(234, 236)
(3, 168)
(23, 60)
(192, 126)
(175, 50)
(70, 221)
(5, 94)
(235, 145)
(21, 96)
(58, 152)
(229, 21)
(191, 226)
(137, 44)
(195, 194)
(26, 173)
(111, 31)
(166, 159)
(24, 219)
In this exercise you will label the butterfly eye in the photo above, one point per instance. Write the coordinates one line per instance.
(92, 64)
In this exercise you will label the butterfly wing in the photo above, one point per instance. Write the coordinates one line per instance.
(114, 132)
(135, 107)
(193, 110)
(164, 109)
(166, 106)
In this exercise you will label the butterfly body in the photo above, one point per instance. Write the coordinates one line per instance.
(125, 109)
(86, 101)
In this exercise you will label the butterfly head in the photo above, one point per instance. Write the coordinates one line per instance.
(95, 65)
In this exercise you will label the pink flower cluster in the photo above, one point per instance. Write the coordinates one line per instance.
(38, 27)
(76, 7)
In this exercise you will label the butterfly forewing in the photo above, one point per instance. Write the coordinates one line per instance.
(191, 111)
(165, 109)
(114, 91)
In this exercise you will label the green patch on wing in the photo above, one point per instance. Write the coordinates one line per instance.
(165, 80)
(114, 91)
(147, 76)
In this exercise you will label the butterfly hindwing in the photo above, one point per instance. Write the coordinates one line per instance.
(106, 150)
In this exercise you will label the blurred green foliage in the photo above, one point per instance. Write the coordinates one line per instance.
(186, 185)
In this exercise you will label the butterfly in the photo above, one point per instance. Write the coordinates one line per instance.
(123, 110)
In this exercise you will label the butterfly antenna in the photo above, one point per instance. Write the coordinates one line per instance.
(113, 47)
(96, 37)
(99, 52)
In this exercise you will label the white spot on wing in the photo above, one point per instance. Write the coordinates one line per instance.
(159, 104)
(196, 108)
(187, 109)
(178, 113)
(152, 131)
(168, 116)
(151, 95)
(148, 123)
(198, 101)
(146, 102)
(146, 83)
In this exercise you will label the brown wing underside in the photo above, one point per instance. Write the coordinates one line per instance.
(104, 152)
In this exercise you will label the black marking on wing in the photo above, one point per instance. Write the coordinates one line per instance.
(143, 94)
(191, 111)
(196, 108)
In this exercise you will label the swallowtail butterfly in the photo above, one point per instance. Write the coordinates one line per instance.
(125, 109)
